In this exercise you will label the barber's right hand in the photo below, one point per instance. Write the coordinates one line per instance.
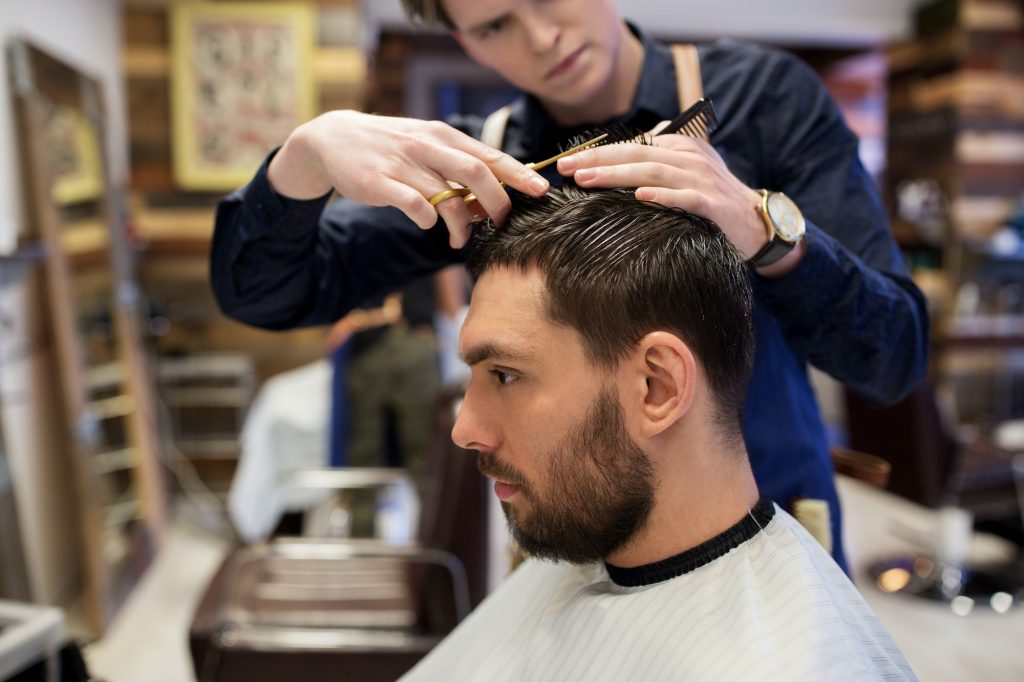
(400, 162)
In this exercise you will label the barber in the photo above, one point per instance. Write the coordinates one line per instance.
(782, 171)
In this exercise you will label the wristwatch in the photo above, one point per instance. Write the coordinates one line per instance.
(786, 227)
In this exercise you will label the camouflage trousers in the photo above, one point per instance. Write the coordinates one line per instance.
(392, 384)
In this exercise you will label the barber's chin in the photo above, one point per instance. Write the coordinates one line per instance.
(505, 491)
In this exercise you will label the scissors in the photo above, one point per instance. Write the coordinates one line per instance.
(469, 197)
(697, 121)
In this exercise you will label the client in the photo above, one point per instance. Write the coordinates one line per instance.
(610, 344)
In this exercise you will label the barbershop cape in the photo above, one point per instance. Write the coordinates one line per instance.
(762, 601)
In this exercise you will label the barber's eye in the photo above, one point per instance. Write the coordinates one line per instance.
(504, 378)
(493, 27)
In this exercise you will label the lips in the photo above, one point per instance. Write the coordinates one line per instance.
(505, 491)
(565, 65)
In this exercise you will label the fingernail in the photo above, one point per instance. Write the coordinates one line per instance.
(586, 174)
(568, 163)
(538, 184)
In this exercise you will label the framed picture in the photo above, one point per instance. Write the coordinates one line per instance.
(242, 80)
(75, 149)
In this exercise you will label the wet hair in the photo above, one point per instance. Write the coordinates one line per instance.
(427, 12)
(617, 269)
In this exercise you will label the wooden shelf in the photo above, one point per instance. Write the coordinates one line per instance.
(115, 460)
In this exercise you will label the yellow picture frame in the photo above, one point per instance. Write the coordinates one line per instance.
(75, 155)
(242, 79)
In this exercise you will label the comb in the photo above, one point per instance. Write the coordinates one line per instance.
(697, 121)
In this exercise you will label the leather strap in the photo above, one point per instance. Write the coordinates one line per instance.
(688, 80)
(493, 133)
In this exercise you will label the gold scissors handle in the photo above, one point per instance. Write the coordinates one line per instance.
(469, 197)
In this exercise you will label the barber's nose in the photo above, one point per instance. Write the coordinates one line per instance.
(542, 32)
(472, 430)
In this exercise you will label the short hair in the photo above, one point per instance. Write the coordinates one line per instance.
(427, 12)
(617, 269)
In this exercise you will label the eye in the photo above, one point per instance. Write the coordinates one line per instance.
(504, 378)
(492, 27)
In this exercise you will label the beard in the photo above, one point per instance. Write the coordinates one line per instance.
(598, 494)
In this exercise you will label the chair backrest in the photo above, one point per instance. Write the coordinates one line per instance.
(861, 466)
(453, 512)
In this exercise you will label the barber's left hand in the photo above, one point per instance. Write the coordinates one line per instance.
(681, 172)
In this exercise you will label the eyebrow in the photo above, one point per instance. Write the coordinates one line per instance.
(491, 351)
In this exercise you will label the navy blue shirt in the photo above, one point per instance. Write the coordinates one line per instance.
(848, 308)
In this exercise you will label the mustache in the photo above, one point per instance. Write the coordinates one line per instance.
(489, 465)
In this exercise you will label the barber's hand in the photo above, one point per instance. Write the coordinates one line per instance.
(681, 172)
(401, 162)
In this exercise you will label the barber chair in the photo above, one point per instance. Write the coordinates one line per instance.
(335, 609)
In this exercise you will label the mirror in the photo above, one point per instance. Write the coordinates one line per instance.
(106, 418)
(13, 579)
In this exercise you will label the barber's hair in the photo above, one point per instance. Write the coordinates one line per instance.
(617, 269)
(426, 12)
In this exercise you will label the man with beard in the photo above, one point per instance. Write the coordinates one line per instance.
(610, 345)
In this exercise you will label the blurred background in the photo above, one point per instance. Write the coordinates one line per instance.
(149, 446)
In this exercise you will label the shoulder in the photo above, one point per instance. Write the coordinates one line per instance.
(744, 65)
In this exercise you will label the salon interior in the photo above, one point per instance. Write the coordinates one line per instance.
(178, 498)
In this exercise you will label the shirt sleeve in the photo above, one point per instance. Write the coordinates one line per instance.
(280, 263)
(849, 307)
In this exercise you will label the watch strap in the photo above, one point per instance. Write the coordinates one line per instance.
(772, 252)
(776, 248)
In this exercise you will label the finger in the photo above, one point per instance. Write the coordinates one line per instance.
(685, 143)
(504, 167)
(658, 128)
(476, 212)
(628, 152)
(453, 164)
(634, 175)
(406, 199)
(455, 215)
(689, 200)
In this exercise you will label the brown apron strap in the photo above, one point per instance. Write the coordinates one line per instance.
(493, 133)
(688, 81)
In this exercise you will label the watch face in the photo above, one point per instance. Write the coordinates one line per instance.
(789, 222)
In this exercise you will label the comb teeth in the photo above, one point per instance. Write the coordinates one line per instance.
(698, 121)
(616, 133)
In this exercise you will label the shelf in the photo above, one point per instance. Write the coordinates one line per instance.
(109, 408)
(115, 460)
(122, 513)
(206, 396)
(985, 331)
(205, 366)
(107, 375)
(226, 448)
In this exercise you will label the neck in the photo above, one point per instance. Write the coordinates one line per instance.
(616, 97)
(703, 489)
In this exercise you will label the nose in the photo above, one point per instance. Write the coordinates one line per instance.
(542, 31)
(472, 430)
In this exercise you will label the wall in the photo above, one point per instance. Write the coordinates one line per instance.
(86, 34)
(791, 22)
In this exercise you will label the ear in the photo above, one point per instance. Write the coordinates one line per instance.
(664, 376)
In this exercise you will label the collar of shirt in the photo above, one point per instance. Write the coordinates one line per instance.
(656, 100)
(757, 518)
